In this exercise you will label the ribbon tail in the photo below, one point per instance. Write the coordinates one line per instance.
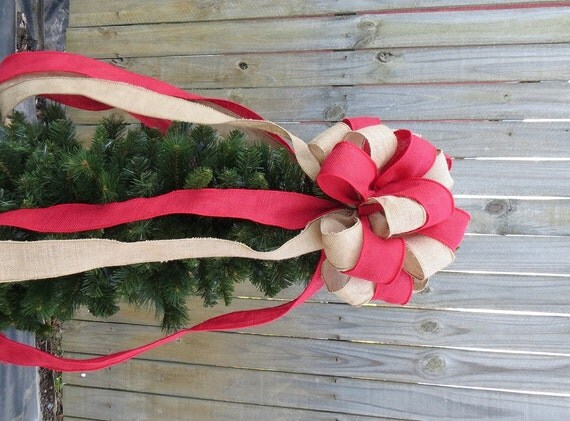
(13, 352)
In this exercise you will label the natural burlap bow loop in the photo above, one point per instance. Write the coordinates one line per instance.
(394, 185)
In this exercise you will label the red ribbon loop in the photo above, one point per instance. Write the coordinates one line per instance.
(357, 123)
(413, 158)
(347, 174)
(450, 231)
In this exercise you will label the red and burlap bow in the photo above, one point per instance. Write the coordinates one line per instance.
(391, 224)
(400, 223)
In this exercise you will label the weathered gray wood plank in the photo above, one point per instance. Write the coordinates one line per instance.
(394, 400)
(524, 373)
(507, 293)
(120, 405)
(488, 27)
(424, 102)
(517, 216)
(518, 178)
(520, 254)
(500, 101)
(360, 67)
(111, 12)
(404, 326)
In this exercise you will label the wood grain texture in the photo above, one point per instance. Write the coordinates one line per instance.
(504, 216)
(519, 254)
(111, 12)
(428, 29)
(495, 371)
(519, 178)
(491, 139)
(506, 293)
(125, 406)
(393, 400)
(500, 101)
(359, 67)
(423, 102)
(336, 324)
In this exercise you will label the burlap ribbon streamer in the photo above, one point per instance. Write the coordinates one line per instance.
(340, 234)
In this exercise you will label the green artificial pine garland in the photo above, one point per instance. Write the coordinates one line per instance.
(43, 164)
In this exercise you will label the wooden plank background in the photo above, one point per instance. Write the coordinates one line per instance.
(486, 81)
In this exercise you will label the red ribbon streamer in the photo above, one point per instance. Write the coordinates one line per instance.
(268, 207)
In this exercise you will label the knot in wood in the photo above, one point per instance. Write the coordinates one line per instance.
(498, 207)
(433, 365)
(429, 326)
(384, 56)
(367, 25)
(335, 112)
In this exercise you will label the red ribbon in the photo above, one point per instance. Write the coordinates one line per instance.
(275, 208)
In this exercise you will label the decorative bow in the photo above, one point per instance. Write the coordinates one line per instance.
(399, 224)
